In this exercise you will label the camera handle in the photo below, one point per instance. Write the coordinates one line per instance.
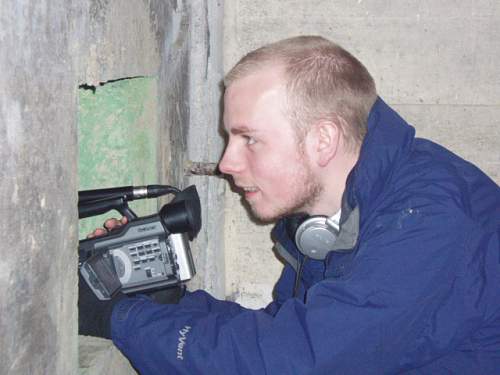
(97, 207)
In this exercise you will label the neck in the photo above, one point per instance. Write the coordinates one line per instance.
(333, 179)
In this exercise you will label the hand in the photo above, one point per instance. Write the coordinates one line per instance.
(108, 226)
(168, 296)
(94, 315)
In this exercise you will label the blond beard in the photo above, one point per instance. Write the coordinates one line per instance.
(306, 193)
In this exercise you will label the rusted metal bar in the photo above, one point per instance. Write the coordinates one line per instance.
(202, 169)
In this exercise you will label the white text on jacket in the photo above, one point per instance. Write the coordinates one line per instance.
(182, 341)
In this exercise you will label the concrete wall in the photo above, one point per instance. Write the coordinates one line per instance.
(38, 185)
(49, 49)
(203, 142)
(435, 62)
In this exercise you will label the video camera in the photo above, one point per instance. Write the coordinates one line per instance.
(146, 254)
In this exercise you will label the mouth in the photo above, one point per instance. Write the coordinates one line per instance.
(249, 191)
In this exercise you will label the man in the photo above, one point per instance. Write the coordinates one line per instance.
(410, 283)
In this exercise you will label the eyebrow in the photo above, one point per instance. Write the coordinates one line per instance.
(240, 130)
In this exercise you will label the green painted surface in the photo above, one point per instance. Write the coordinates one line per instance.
(117, 136)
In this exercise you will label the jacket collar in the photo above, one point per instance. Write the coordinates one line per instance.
(388, 141)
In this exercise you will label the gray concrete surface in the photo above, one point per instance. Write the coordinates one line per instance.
(49, 49)
(38, 187)
(100, 357)
(203, 141)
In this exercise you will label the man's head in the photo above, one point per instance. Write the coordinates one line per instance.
(323, 81)
(296, 113)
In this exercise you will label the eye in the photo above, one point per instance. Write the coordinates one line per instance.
(249, 140)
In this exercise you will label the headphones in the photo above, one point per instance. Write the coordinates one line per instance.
(314, 236)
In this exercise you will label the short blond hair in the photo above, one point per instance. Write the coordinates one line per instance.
(323, 81)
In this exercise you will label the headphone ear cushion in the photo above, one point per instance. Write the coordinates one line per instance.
(315, 237)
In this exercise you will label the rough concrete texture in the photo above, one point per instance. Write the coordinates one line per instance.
(190, 91)
(121, 40)
(251, 267)
(435, 61)
(100, 357)
(203, 140)
(38, 185)
(50, 48)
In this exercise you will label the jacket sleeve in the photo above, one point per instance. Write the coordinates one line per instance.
(412, 296)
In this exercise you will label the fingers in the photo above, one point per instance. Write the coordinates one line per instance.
(112, 223)
(98, 232)
(109, 225)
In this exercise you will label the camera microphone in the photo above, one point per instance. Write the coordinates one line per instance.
(129, 193)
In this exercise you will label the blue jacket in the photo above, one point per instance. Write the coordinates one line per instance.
(418, 292)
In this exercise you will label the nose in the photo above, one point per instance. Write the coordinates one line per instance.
(231, 162)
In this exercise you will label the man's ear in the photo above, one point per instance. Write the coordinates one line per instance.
(327, 134)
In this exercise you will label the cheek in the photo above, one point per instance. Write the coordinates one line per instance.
(274, 173)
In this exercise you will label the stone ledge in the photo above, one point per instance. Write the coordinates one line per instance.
(100, 357)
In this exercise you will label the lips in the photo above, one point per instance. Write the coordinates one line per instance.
(248, 191)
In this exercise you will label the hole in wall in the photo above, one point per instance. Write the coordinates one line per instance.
(117, 139)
